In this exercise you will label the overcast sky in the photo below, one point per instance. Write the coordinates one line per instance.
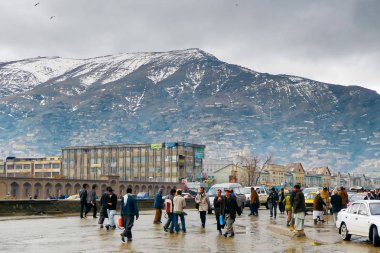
(335, 41)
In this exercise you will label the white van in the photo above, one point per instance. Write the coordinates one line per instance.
(237, 189)
(262, 191)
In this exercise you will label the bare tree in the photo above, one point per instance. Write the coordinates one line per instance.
(253, 167)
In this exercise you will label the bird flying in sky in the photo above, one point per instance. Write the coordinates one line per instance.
(52, 17)
(36, 4)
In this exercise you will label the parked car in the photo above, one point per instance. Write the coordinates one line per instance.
(263, 193)
(237, 189)
(355, 197)
(362, 218)
(74, 197)
(310, 189)
(142, 195)
(309, 200)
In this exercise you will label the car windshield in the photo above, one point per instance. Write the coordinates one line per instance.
(310, 196)
(357, 197)
(212, 191)
(375, 208)
(237, 190)
(247, 190)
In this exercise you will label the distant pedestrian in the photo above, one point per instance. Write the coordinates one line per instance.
(272, 202)
(128, 211)
(254, 202)
(83, 194)
(111, 201)
(91, 202)
(369, 196)
(343, 194)
(158, 205)
(281, 197)
(169, 208)
(179, 206)
(299, 210)
(325, 195)
(103, 209)
(318, 208)
(203, 205)
(336, 205)
(289, 210)
(230, 210)
(218, 209)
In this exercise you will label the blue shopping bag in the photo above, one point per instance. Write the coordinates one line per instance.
(221, 220)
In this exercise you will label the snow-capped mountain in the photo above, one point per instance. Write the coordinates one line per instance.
(186, 95)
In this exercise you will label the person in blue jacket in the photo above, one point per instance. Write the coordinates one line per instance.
(158, 205)
(129, 210)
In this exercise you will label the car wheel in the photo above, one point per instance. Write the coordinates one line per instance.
(344, 232)
(375, 237)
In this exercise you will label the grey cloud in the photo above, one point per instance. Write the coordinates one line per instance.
(334, 41)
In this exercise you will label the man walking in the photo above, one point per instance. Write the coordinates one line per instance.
(103, 209)
(318, 208)
(218, 209)
(336, 205)
(91, 202)
(299, 210)
(272, 201)
(281, 206)
(179, 206)
(204, 204)
(129, 210)
(83, 194)
(169, 209)
(158, 204)
(254, 202)
(230, 210)
(289, 210)
(343, 194)
(111, 201)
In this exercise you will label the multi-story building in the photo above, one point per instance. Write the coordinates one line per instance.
(2, 168)
(324, 173)
(161, 162)
(42, 167)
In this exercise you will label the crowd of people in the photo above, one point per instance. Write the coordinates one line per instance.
(225, 207)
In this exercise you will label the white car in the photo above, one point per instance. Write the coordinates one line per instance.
(263, 193)
(362, 218)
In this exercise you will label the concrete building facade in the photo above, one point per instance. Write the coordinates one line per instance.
(161, 162)
(41, 167)
(43, 188)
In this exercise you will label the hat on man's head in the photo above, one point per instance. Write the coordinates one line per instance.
(227, 189)
(109, 188)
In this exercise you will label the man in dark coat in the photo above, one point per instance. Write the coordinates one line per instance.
(103, 209)
(158, 204)
(336, 204)
(299, 209)
(230, 209)
(129, 210)
(218, 209)
(272, 202)
(111, 201)
(83, 194)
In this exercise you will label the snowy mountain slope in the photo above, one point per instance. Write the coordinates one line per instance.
(189, 95)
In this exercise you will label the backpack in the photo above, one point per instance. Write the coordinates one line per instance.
(168, 206)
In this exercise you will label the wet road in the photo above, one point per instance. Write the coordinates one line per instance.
(253, 234)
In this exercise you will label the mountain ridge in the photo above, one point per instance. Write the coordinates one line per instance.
(185, 95)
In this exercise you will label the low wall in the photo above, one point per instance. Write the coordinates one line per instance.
(33, 207)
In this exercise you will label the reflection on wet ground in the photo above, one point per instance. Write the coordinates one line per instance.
(253, 234)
